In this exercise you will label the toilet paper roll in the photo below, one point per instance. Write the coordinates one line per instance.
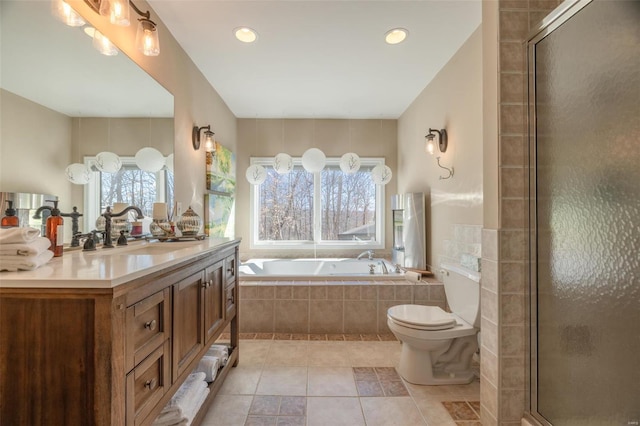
(413, 276)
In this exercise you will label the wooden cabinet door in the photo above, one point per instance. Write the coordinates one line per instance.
(213, 302)
(188, 318)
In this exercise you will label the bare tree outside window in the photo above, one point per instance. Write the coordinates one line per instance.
(347, 203)
(134, 187)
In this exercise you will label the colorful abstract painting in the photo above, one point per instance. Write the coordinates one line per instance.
(219, 216)
(221, 170)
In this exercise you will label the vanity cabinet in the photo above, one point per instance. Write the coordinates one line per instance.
(114, 356)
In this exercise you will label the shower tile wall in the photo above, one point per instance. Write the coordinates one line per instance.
(503, 350)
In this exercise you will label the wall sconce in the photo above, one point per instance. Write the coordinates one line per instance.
(208, 138)
(147, 40)
(443, 143)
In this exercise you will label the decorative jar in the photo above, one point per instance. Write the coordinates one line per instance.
(189, 223)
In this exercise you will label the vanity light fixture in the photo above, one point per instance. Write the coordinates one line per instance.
(118, 12)
(245, 34)
(443, 143)
(396, 35)
(209, 140)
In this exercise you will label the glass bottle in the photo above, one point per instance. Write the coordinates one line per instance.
(55, 230)
(10, 220)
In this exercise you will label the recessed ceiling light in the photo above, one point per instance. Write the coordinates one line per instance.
(245, 34)
(396, 35)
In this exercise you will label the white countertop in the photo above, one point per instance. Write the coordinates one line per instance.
(108, 268)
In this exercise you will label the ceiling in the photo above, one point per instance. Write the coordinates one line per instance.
(319, 59)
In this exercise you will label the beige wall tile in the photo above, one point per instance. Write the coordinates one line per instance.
(352, 292)
(489, 366)
(514, 25)
(284, 292)
(512, 150)
(258, 316)
(512, 87)
(383, 307)
(512, 213)
(512, 56)
(512, 245)
(301, 292)
(404, 292)
(512, 405)
(512, 309)
(318, 292)
(360, 316)
(386, 292)
(513, 277)
(437, 293)
(369, 292)
(489, 335)
(326, 316)
(513, 373)
(512, 340)
(512, 181)
(489, 305)
(490, 244)
(267, 292)
(291, 316)
(335, 292)
(248, 292)
(421, 292)
(488, 403)
(489, 275)
(513, 4)
(512, 119)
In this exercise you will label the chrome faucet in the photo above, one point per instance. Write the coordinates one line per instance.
(108, 242)
(368, 253)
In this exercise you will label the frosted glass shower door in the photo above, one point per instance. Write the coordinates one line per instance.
(585, 212)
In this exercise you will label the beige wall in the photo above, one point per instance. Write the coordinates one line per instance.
(35, 148)
(195, 101)
(268, 137)
(453, 100)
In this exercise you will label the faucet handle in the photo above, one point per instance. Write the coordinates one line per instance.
(372, 268)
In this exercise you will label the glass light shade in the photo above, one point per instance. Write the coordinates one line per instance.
(116, 10)
(108, 162)
(103, 44)
(256, 174)
(282, 163)
(64, 13)
(313, 160)
(209, 141)
(350, 163)
(169, 162)
(147, 38)
(150, 160)
(381, 174)
(78, 173)
(429, 147)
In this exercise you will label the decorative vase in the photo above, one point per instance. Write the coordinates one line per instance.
(160, 228)
(189, 223)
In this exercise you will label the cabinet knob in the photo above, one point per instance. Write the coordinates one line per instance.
(151, 384)
(230, 269)
(151, 325)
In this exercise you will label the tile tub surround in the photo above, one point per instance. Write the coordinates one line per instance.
(363, 389)
(329, 307)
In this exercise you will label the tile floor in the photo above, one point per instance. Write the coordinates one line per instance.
(313, 381)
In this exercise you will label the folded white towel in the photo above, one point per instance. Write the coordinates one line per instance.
(208, 365)
(18, 235)
(175, 410)
(33, 248)
(195, 406)
(219, 351)
(24, 263)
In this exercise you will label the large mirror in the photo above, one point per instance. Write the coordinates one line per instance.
(63, 102)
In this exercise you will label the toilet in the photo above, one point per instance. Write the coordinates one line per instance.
(437, 346)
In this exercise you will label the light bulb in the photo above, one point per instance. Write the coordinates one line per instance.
(64, 13)
(208, 141)
(147, 38)
(429, 146)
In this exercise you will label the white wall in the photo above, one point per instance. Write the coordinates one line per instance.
(453, 100)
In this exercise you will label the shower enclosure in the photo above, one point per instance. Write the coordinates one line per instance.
(584, 115)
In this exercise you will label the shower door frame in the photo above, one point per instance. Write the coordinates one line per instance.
(550, 23)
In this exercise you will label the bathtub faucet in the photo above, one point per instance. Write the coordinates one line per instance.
(368, 253)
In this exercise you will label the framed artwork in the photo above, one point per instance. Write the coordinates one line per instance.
(221, 170)
(219, 216)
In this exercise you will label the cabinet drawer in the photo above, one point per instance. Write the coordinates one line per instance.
(230, 268)
(231, 297)
(147, 326)
(146, 385)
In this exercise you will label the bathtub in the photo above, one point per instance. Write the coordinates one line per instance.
(321, 269)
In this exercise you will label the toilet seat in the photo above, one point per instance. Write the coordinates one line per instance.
(419, 317)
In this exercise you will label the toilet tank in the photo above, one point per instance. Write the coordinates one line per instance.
(462, 287)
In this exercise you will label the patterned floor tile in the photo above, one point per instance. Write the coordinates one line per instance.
(460, 410)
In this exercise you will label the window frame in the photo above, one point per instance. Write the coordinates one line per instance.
(92, 189)
(317, 242)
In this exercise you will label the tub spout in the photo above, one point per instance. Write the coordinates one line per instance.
(368, 253)
(384, 267)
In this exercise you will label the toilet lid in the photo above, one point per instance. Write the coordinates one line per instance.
(424, 317)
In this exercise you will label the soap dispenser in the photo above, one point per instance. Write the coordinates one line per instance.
(10, 220)
(55, 230)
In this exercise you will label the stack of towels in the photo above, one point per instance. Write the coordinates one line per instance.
(23, 249)
(184, 405)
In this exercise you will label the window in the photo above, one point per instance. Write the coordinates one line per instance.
(329, 208)
(130, 185)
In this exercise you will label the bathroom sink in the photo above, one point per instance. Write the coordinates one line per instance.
(147, 249)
